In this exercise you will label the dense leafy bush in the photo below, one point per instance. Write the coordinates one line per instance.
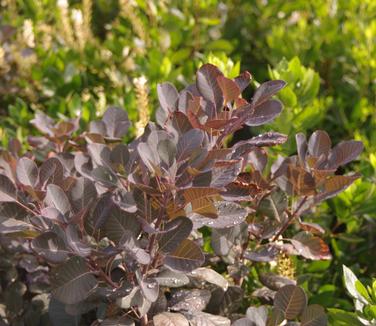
(123, 226)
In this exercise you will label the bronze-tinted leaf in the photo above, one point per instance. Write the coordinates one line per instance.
(345, 152)
(314, 315)
(230, 89)
(335, 185)
(311, 247)
(292, 300)
(187, 257)
(243, 80)
(208, 86)
(301, 146)
(276, 317)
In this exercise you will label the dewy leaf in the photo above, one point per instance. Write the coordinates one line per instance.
(310, 246)
(292, 300)
(208, 86)
(172, 279)
(7, 190)
(168, 96)
(116, 121)
(50, 246)
(189, 299)
(27, 172)
(229, 214)
(267, 90)
(72, 282)
(177, 230)
(319, 143)
(170, 319)
(199, 318)
(314, 315)
(57, 198)
(210, 276)
(187, 257)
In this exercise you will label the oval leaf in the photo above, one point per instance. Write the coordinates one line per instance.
(187, 257)
(292, 300)
(72, 282)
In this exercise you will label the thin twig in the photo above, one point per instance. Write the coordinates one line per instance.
(291, 217)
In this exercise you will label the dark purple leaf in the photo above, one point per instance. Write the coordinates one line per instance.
(176, 231)
(345, 152)
(264, 254)
(274, 281)
(168, 96)
(292, 300)
(51, 171)
(263, 113)
(27, 172)
(187, 257)
(8, 191)
(116, 121)
(51, 247)
(189, 142)
(118, 222)
(267, 90)
(319, 143)
(56, 197)
(314, 315)
(208, 86)
(72, 281)
(243, 80)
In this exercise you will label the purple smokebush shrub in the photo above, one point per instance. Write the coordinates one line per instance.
(119, 224)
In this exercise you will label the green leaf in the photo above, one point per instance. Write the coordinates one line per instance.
(350, 279)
